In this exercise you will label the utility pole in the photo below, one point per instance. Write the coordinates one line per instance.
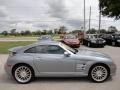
(90, 19)
(99, 19)
(84, 20)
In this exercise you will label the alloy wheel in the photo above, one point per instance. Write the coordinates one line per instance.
(99, 73)
(23, 74)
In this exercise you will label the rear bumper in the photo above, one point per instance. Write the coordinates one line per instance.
(8, 69)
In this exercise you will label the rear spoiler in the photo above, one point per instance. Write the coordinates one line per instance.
(15, 49)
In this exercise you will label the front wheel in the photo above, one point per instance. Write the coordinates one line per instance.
(22, 74)
(99, 73)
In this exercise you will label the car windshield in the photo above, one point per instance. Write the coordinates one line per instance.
(70, 37)
(69, 48)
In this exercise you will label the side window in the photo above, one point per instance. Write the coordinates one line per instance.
(41, 49)
(53, 49)
(30, 50)
(49, 49)
(46, 49)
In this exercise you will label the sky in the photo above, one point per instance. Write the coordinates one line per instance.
(49, 14)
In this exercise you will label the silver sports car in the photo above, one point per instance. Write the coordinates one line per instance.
(55, 59)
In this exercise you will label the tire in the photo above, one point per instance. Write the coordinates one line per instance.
(23, 74)
(99, 73)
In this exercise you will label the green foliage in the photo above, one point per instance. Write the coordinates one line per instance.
(102, 31)
(110, 8)
(13, 32)
(112, 29)
(91, 31)
(76, 31)
(5, 33)
(62, 30)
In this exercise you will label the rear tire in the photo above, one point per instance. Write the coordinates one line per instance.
(99, 73)
(23, 74)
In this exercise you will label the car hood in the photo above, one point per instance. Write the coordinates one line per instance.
(92, 53)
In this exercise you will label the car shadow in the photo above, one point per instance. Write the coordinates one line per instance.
(66, 79)
(9, 80)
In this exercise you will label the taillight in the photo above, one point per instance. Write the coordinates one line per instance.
(12, 53)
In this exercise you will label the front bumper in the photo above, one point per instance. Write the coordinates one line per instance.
(113, 69)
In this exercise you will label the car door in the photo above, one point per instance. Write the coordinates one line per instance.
(50, 60)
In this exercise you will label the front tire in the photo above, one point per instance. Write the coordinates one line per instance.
(23, 74)
(99, 73)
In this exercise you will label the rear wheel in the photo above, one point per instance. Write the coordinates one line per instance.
(23, 74)
(99, 73)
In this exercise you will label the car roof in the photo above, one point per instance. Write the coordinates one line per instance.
(46, 43)
(39, 43)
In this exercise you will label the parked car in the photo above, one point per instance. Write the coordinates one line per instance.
(93, 40)
(45, 38)
(112, 39)
(71, 41)
(55, 59)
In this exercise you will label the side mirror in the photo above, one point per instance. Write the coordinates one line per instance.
(66, 54)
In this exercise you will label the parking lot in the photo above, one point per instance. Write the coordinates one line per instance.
(6, 83)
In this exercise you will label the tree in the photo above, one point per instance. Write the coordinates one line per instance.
(62, 30)
(112, 29)
(76, 31)
(13, 32)
(44, 32)
(91, 31)
(5, 33)
(56, 31)
(27, 32)
(103, 31)
(22, 33)
(38, 32)
(110, 8)
(50, 32)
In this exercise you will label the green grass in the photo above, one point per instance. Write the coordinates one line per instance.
(4, 46)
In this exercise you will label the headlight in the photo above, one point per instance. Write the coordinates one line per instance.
(104, 41)
(118, 40)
